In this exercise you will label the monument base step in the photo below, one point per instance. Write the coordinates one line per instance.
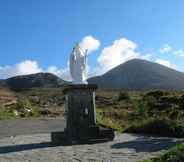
(91, 135)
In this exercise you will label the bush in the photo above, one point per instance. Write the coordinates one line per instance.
(5, 113)
(106, 121)
(24, 108)
(140, 108)
(170, 99)
(150, 102)
(156, 94)
(181, 102)
(123, 96)
(159, 127)
(175, 154)
(162, 104)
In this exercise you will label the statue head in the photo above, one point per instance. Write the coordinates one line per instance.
(79, 50)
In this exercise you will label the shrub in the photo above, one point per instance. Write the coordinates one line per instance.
(5, 113)
(140, 108)
(150, 102)
(123, 96)
(106, 121)
(170, 99)
(160, 127)
(24, 108)
(156, 94)
(175, 154)
(181, 102)
(161, 104)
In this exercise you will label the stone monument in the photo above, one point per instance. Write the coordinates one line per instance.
(80, 108)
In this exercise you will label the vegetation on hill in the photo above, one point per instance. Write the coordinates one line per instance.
(22, 108)
(32, 103)
(140, 112)
(120, 110)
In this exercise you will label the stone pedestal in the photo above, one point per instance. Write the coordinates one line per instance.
(81, 117)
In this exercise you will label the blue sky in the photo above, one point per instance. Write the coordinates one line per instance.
(38, 35)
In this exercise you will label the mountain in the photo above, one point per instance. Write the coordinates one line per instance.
(33, 80)
(135, 74)
(139, 74)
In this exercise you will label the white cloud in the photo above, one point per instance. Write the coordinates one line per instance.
(89, 43)
(165, 49)
(22, 68)
(146, 57)
(165, 63)
(179, 52)
(55, 70)
(27, 67)
(62, 73)
(30, 67)
(119, 52)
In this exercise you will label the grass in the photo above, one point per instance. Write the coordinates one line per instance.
(27, 108)
(21, 109)
(108, 121)
(122, 122)
(6, 115)
(175, 154)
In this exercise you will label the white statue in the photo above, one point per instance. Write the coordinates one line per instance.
(78, 65)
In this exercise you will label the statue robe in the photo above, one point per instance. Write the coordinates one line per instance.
(78, 65)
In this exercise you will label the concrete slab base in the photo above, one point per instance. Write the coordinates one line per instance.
(93, 135)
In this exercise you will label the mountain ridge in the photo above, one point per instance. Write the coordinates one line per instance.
(135, 74)
(138, 74)
(38, 80)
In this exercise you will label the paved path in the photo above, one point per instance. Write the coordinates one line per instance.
(30, 126)
(125, 148)
(28, 140)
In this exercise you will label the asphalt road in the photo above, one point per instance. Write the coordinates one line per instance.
(30, 126)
